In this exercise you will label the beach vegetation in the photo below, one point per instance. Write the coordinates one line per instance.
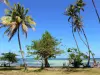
(76, 57)
(45, 48)
(10, 57)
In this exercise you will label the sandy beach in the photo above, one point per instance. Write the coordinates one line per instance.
(53, 71)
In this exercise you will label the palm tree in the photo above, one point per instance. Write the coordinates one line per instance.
(70, 12)
(87, 45)
(89, 50)
(74, 18)
(79, 5)
(15, 19)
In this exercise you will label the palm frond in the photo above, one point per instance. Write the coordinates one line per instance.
(7, 2)
(12, 33)
(6, 20)
(24, 28)
(69, 19)
(13, 25)
(30, 26)
(26, 11)
(7, 30)
(8, 12)
(30, 20)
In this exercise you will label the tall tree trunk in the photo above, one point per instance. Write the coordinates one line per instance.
(82, 39)
(9, 64)
(87, 46)
(46, 63)
(75, 39)
(4, 64)
(42, 65)
(96, 10)
(94, 61)
(25, 65)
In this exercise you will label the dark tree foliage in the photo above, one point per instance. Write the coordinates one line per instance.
(10, 57)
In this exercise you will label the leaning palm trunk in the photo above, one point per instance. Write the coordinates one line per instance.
(25, 65)
(82, 39)
(96, 10)
(95, 64)
(87, 47)
(75, 38)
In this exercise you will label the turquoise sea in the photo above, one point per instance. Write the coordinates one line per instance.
(58, 62)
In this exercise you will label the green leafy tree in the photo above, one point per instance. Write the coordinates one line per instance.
(46, 47)
(76, 57)
(10, 57)
(15, 19)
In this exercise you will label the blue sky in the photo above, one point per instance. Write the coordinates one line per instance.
(49, 15)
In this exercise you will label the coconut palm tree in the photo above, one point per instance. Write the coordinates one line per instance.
(70, 12)
(15, 19)
(74, 18)
(80, 4)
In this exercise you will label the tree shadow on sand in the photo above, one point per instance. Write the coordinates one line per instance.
(9, 68)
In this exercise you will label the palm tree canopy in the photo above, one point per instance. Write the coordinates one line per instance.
(17, 17)
(74, 15)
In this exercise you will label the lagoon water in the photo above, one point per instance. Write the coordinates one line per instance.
(58, 62)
